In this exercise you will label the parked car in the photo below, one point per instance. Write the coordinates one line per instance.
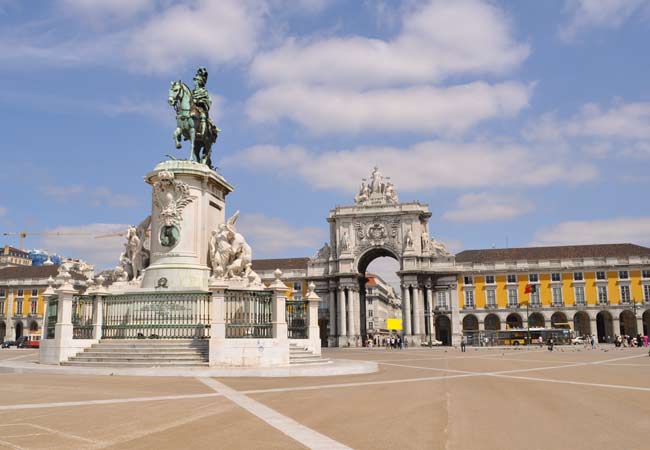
(579, 340)
(20, 342)
(434, 342)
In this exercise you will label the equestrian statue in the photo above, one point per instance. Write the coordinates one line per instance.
(193, 120)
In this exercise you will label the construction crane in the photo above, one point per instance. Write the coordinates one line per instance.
(24, 234)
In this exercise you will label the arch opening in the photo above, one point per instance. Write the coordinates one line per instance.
(646, 323)
(604, 326)
(627, 323)
(19, 329)
(558, 317)
(492, 322)
(443, 329)
(514, 321)
(581, 324)
(536, 320)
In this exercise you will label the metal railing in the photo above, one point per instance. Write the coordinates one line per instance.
(51, 314)
(157, 316)
(297, 319)
(248, 314)
(82, 317)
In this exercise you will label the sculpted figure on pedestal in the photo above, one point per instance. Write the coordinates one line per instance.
(171, 197)
(364, 194)
(324, 252)
(391, 195)
(345, 242)
(408, 239)
(377, 181)
(136, 255)
(230, 255)
(438, 248)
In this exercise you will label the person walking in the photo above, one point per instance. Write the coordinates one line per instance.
(550, 344)
(463, 343)
(593, 341)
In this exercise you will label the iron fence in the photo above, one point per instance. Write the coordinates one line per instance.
(82, 317)
(297, 321)
(157, 316)
(51, 315)
(248, 314)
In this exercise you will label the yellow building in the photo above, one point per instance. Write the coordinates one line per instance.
(21, 298)
(10, 256)
(598, 289)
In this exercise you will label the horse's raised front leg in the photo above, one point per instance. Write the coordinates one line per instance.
(177, 137)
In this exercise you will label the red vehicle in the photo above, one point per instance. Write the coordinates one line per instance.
(33, 341)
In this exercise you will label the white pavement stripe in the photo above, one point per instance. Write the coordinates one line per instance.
(306, 436)
(104, 402)
(357, 384)
(10, 445)
(31, 355)
(436, 369)
(579, 383)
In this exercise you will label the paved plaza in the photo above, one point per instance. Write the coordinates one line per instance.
(419, 399)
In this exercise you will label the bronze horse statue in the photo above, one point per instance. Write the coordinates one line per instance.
(188, 121)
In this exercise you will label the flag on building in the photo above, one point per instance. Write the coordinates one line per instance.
(531, 289)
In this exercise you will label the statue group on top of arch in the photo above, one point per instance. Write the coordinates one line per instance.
(376, 191)
(230, 255)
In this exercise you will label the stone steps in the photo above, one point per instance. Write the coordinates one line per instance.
(302, 356)
(143, 353)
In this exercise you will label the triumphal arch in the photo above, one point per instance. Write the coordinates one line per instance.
(377, 225)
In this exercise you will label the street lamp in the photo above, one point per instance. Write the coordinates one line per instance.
(527, 322)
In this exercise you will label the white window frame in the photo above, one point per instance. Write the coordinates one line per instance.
(535, 276)
(625, 288)
(510, 297)
(469, 299)
(604, 275)
(494, 279)
(468, 280)
(34, 293)
(33, 307)
(577, 297)
(599, 290)
(577, 277)
(626, 277)
(559, 277)
(646, 292)
(441, 299)
(645, 273)
(494, 297)
(557, 299)
(508, 278)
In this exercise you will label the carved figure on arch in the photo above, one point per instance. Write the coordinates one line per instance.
(408, 239)
(345, 242)
(171, 197)
(438, 248)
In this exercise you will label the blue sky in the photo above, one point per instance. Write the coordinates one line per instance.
(518, 122)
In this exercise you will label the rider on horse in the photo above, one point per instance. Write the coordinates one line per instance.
(203, 101)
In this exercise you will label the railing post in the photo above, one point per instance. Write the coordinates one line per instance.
(47, 294)
(217, 322)
(278, 308)
(98, 308)
(312, 313)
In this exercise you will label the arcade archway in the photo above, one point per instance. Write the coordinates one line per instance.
(536, 320)
(627, 323)
(558, 317)
(514, 321)
(604, 326)
(470, 323)
(581, 324)
(19, 329)
(492, 322)
(443, 329)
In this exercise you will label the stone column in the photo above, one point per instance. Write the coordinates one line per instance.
(406, 310)
(332, 312)
(456, 326)
(342, 324)
(98, 316)
(616, 326)
(639, 323)
(350, 314)
(9, 331)
(431, 306)
(313, 331)
(593, 324)
(416, 310)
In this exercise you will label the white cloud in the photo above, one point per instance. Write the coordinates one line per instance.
(618, 230)
(269, 236)
(422, 108)
(426, 165)
(487, 207)
(78, 241)
(586, 14)
(208, 31)
(94, 196)
(623, 128)
(438, 40)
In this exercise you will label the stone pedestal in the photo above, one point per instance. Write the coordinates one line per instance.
(188, 203)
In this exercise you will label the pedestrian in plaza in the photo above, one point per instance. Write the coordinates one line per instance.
(550, 344)
(540, 341)
(593, 341)
(645, 340)
(463, 343)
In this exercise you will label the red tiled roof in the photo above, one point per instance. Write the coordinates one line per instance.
(548, 253)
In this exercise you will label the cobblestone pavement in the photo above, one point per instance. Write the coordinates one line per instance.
(423, 398)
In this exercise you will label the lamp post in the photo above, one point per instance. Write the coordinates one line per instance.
(527, 322)
(427, 315)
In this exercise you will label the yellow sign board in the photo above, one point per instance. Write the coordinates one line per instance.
(394, 324)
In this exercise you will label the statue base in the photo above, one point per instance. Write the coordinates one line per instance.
(188, 203)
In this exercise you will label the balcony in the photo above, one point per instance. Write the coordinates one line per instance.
(469, 307)
(491, 306)
(513, 306)
(558, 305)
